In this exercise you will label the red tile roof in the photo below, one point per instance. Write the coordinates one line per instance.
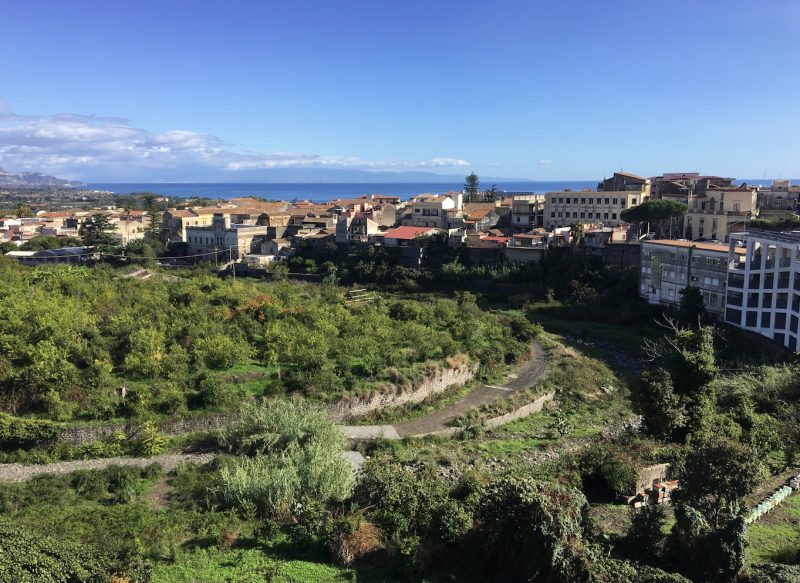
(408, 233)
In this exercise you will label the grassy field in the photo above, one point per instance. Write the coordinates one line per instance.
(776, 536)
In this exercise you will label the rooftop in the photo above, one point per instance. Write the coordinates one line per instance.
(693, 244)
(409, 233)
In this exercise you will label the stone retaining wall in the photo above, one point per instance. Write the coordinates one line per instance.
(342, 410)
(525, 411)
(85, 434)
(438, 382)
(533, 407)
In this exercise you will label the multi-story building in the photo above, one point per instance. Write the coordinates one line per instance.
(223, 240)
(614, 195)
(669, 266)
(763, 292)
(780, 196)
(527, 212)
(439, 211)
(720, 211)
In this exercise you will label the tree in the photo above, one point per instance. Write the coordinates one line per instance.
(656, 211)
(663, 412)
(49, 242)
(153, 232)
(533, 530)
(471, 187)
(715, 477)
(99, 233)
(692, 309)
(491, 194)
(286, 453)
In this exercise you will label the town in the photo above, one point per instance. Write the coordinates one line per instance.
(731, 242)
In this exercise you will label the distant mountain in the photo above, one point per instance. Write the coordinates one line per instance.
(290, 176)
(353, 176)
(33, 180)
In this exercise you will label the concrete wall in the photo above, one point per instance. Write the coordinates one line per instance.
(524, 411)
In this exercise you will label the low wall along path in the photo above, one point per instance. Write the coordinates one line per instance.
(530, 373)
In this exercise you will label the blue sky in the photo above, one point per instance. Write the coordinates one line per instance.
(194, 89)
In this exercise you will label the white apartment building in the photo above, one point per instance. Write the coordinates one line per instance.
(763, 292)
(668, 267)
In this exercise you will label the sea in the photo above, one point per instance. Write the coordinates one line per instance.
(321, 192)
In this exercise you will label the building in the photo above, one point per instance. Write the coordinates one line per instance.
(669, 266)
(763, 291)
(720, 211)
(405, 236)
(561, 209)
(480, 216)
(780, 196)
(527, 212)
(439, 211)
(63, 255)
(223, 240)
(625, 182)
(681, 185)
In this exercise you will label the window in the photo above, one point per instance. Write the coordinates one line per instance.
(736, 207)
(552, 215)
(583, 201)
(633, 202)
(560, 201)
(574, 215)
(616, 200)
(591, 201)
(765, 319)
(606, 201)
(568, 201)
(614, 216)
(605, 215)
(583, 215)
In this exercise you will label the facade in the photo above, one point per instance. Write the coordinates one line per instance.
(223, 239)
(437, 211)
(764, 285)
(527, 212)
(720, 212)
(780, 196)
(561, 209)
(625, 182)
(669, 266)
(355, 229)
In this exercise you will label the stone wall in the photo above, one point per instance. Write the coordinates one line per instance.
(533, 407)
(347, 408)
(437, 382)
(85, 434)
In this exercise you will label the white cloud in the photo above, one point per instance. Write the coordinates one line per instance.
(80, 145)
(545, 162)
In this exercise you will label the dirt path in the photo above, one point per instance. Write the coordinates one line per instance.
(526, 376)
(169, 461)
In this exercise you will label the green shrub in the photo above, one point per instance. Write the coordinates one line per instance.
(18, 432)
(290, 453)
(26, 557)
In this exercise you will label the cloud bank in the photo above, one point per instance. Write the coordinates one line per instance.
(86, 146)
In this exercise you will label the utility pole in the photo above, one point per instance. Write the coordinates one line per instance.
(233, 264)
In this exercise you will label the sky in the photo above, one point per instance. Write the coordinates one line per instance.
(198, 90)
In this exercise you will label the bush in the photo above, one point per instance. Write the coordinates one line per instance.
(291, 453)
(16, 432)
(26, 557)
